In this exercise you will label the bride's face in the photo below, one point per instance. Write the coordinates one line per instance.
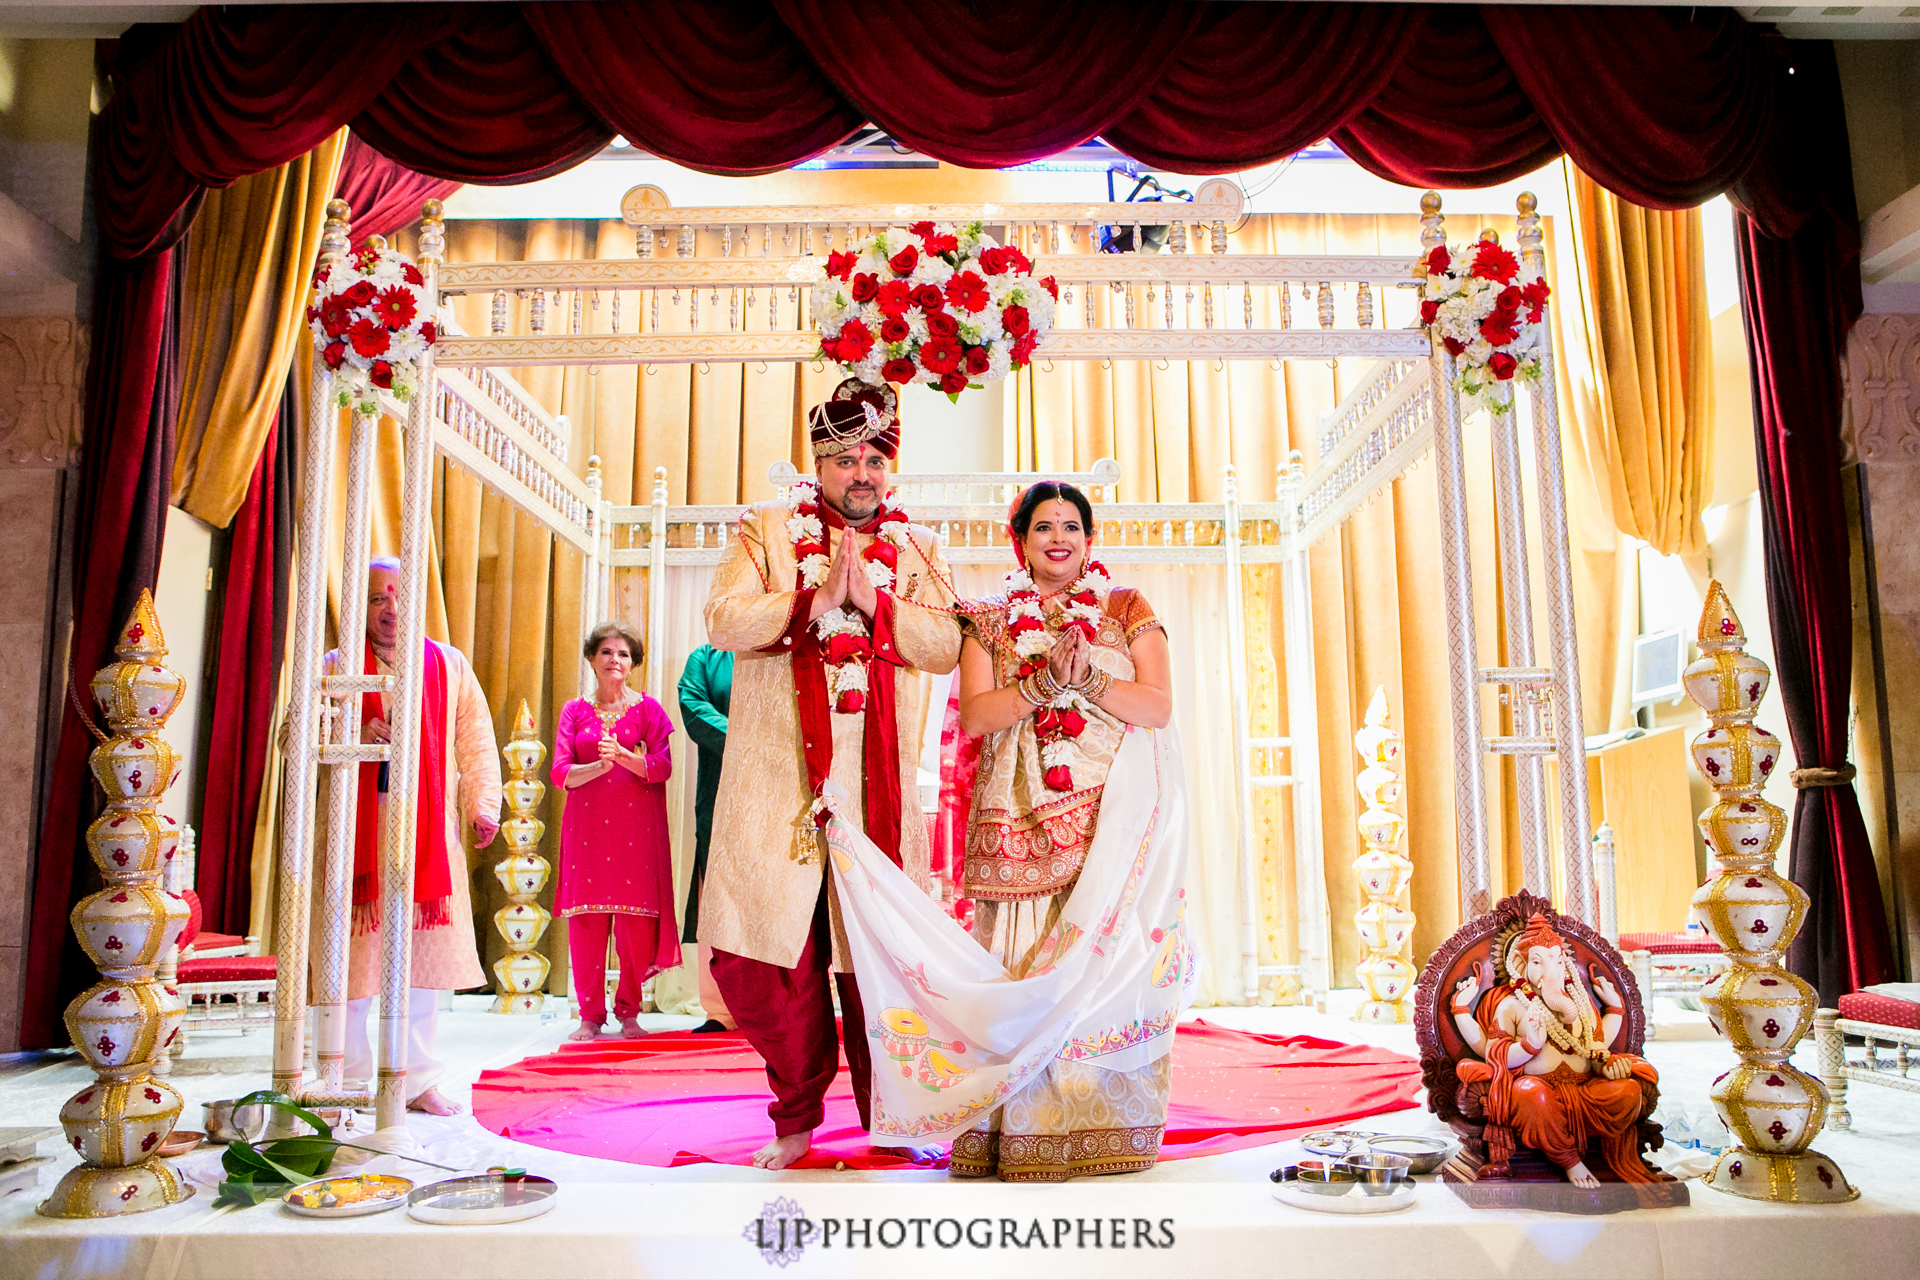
(1056, 544)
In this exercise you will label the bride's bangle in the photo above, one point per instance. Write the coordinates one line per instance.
(1040, 688)
(1096, 684)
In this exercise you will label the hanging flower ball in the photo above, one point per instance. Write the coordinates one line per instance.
(372, 323)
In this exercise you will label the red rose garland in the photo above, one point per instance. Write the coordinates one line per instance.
(1064, 719)
(846, 636)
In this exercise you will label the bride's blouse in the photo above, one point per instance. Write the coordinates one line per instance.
(1025, 840)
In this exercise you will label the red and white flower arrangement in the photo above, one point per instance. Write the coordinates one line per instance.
(1064, 719)
(372, 323)
(1476, 303)
(934, 304)
(845, 633)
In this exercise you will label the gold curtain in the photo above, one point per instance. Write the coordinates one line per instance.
(243, 304)
(1643, 298)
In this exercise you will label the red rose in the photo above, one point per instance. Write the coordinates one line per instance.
(929, 299)
(1072, 722)
(1508, 299)
(359, 295)
(1428, 310)
(429, 334)
(1084, 597)
(1498, 328)
(894, 298)
(894, 329)
(904, 261)
(953, 383)
(394, 307)
(1023, 348)
(840, 265)
(901, 371)
(381, 374)
(942, 325)
(1535, 297)
(1018, 260)
(368, 338)
(855, 341)
(1059, 778)
(864, 287)
(411, 274)
(941, 243)
(1491, 262)
(846, 646)
(1014, 320)
(1502, 365)
(880, 551)
(851, 702)
(1453, 345)
(993, 261)
(1045, 721)
(1084, 627)
(941, 355)
(335, 354)
(320, 276)
(1052, 287)
(967, 291)
(922, 228)
(978, 361)
(1439, 260)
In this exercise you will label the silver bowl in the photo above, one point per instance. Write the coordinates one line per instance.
(1426, 1153)
(224, 1122)
(1378, 1172)
(1323, 1177)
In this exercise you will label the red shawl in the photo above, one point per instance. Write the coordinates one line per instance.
(432, 875)
(881, 746)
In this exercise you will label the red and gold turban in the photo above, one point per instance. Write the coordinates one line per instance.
(856, 413)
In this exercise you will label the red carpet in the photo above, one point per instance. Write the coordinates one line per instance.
(677, 1098)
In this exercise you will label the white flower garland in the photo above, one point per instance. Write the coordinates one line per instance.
(846, 678)
(1033, 638)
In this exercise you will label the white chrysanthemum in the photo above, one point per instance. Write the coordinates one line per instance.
(878, 574)
(1032, 644)
(1018, 580)
(999, 364)
(897, 534)
(931, 270)
(1059, 752)
(804, 528)
(847, 677)
(813, 570)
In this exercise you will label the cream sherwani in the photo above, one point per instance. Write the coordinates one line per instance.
(758, 901)
(446, 958)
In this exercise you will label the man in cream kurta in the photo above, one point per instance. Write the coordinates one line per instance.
(445, 955)
(765, 910)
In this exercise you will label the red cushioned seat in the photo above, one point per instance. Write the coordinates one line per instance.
(1680, 943)
(228, 969)
(1888, 1011)
(217, 941)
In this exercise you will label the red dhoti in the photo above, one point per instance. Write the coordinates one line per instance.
(787, 1016)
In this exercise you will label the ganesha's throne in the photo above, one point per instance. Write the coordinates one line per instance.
(1495, 1167)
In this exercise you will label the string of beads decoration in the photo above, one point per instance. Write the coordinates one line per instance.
(126, 1023)
(1773, 1109)
(522, 972)
(1385, 924)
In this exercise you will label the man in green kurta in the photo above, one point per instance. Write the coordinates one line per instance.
(706, 689)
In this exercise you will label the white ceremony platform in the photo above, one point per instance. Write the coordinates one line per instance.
(627, 1220)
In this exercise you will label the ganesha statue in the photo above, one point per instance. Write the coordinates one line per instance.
(1530, 1030)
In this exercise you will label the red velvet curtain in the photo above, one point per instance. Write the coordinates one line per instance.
(384, 194)
(1664, 106)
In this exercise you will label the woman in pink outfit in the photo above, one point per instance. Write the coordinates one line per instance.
(610, 755)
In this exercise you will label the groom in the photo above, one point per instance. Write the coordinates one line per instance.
(766, 911)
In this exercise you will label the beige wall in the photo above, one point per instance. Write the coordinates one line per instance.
(46, 93)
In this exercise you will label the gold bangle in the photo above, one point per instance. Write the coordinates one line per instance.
(1097, 684)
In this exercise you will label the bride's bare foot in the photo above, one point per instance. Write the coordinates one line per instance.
(1580, 1176)
(435, 1103)
(919, 1155)
(630, 1029)
(585, 1031)
(782, 1152)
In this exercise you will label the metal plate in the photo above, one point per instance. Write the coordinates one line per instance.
(483, 1200)
(1354, 1201)
(371, 1192)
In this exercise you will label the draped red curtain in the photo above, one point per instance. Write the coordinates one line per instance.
(384, 194)
(1664, 106)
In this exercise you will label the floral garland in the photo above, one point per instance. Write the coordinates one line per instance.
(1064, 719)
(845, 634)
(370, 318)
(954, 310)
(1472, 300)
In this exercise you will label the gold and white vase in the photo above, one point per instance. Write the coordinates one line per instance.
(521, 974)
(1773, 1109)
(125, 1024)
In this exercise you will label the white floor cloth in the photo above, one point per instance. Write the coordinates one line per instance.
(955, 1034)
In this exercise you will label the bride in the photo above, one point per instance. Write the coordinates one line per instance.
(1041, 1044)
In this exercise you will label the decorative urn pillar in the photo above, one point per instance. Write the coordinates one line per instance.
(1385, 924)
(522, 973)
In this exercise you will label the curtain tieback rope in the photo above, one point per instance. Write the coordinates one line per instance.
(1840, 777)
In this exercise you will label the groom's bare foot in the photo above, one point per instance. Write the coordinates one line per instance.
(435, 1103)
(782, 1152)
(919, 1155)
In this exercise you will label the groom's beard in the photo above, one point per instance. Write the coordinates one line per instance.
(858, 504)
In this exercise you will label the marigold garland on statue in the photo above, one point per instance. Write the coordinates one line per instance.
(1486, 316)
(1063, 719)
(845, 634)
(372, 324)
(934, 304)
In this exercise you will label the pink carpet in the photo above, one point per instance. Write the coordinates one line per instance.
(677, 1098)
